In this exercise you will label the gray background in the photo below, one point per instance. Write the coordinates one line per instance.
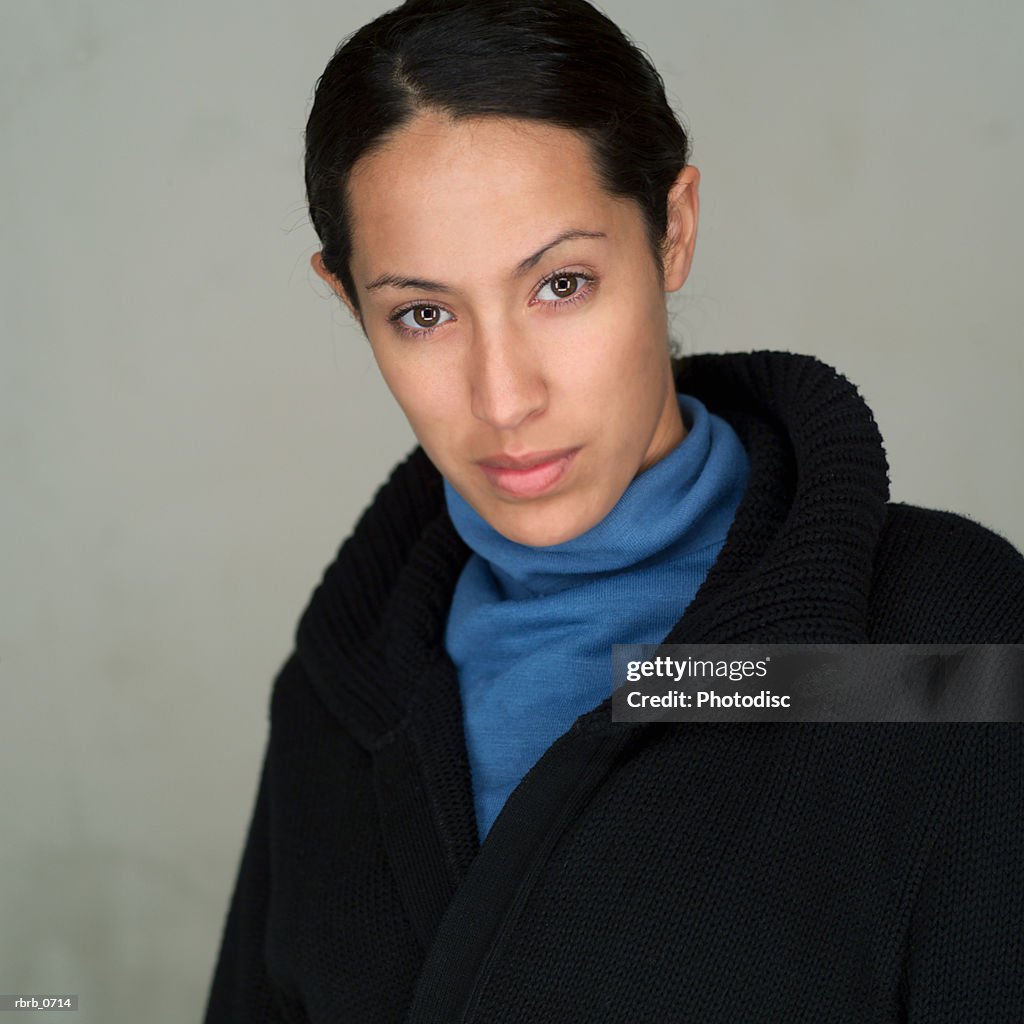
(191, 424)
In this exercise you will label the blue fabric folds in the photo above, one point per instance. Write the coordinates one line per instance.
(530, 628)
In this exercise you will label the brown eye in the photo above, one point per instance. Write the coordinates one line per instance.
(420, 319)
(564, 285)
(426, 316)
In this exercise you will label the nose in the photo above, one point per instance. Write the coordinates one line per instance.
(506, 381)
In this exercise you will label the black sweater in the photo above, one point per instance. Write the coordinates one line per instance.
(653, 872)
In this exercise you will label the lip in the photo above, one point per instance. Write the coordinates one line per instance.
(527, 476)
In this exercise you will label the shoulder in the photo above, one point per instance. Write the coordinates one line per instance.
(942, 578)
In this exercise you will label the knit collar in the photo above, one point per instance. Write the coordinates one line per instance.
(795, 567)
(662, 507)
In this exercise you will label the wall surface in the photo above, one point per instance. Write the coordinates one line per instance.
(191, 423)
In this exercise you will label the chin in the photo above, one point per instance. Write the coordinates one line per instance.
(534, 529)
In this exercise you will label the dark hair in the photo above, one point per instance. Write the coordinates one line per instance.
(561, 62)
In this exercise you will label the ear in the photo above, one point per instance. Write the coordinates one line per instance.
(317, 263)
(681, 231)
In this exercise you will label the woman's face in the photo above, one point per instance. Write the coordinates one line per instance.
(516, 313)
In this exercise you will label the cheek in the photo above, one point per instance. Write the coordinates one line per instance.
(408, 378)
(423, 391)
(622, 361)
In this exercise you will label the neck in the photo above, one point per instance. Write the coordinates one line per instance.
(669, 432)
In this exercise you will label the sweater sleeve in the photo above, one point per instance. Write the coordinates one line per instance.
(241, 990)
(966, 942)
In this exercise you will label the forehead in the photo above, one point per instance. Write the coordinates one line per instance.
(475, 193)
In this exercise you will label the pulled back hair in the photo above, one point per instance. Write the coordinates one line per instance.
(561, 62)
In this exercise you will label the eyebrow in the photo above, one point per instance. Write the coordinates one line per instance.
(397, 281)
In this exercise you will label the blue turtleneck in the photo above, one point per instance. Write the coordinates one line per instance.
(530, 629)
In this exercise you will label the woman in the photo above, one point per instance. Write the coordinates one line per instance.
(449, 825)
